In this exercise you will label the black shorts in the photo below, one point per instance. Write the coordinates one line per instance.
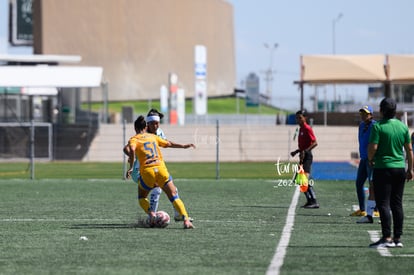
(307, 161)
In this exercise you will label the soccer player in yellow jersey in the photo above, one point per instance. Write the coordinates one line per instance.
(153, 171)
(153, 126)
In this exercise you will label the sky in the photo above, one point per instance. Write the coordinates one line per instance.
(302, 27)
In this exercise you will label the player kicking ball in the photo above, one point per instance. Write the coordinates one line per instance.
(153, 171)
(153, 120)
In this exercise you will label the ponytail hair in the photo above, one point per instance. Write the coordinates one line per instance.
(140, 124)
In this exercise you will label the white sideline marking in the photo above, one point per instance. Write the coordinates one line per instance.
(375, 236)
(278, 258)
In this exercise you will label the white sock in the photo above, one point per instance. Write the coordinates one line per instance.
(155, 198)
(370, 207)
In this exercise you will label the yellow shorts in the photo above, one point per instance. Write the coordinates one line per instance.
(154, 176)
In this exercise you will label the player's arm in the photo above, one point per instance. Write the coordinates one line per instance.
(302, 153)
(372, 149)
(167, 143)
(409, 153)
(312, 145)
(126, 150)
(177, 145)
(293, 153)
(308, 149)
(129, 150)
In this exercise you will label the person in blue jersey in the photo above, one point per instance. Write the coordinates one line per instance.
(364, 169)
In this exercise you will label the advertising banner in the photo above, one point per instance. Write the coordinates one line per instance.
(200, 67)
(173, 87)
(21, 27)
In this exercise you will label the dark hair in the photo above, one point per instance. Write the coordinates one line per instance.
(301, 112)
(154, 112)
(140, 124)
(388, 108)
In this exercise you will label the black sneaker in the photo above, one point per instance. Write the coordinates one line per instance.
(313, 205)
(398, 243)
(366, 219)
(179, 218)
(306, 204)
(382, 243)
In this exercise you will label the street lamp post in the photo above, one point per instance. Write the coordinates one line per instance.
(334, 21)
(269, 71)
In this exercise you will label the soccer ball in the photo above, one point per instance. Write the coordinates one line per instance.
(162, 219)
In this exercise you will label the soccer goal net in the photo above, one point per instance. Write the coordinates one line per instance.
(26, 140)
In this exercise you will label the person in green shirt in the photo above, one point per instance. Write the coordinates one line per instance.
(388, 140)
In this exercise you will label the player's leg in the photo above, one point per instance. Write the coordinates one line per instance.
(312, 198)
(154, 193)
(155, 198)
(307, 196)
(310, 194)
(371, 201)
(399, 178)
(382, 186)
(371, 197)
(371, 205)
(143, 198)
(146, 183)
(177, 216)
(359, 187)
(171, 192)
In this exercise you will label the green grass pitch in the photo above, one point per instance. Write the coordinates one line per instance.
(238, 223)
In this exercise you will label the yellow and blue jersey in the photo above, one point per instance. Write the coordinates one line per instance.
(159, 133)
(147, 149)
(153, 171)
